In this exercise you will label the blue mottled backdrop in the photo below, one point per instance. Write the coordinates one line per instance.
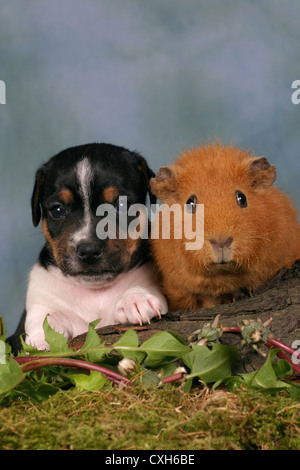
(153, 76)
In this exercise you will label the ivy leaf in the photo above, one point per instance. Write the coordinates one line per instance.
(35, 391)
(147, 377)
(267, 376)
(92, 381)
(11, 375)
(210, 365)
(282, 368)
(93, 349)
(236, 382)
(92, 339)
(294, 390)
(163, 347)
(2, 330)
(128, 346)
(195, 356)
(57, 341)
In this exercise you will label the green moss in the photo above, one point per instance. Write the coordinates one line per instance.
(152, 418)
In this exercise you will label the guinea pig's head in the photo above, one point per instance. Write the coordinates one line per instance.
(234, 189)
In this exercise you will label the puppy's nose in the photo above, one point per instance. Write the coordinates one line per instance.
(88, 251)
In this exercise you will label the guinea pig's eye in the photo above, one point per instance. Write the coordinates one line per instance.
(241, 199)
(191, 204)
(57, 211)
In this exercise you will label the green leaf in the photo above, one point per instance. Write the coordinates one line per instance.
(92, 382)
(148, 377)
(128, 346)
(188, 385)
(57, 341)
(282, 368)
(195, 356)
(129, 339)
(92, 340)
(2, 330)
(93, 349)
(267, 378)
(161, 348)
(11, 375)
(211, 365)
(294, 390)
(35, 391)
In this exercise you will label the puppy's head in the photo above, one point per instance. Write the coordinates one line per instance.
(83, 196)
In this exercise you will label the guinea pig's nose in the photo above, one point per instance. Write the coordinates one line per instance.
(87, 251)
(221, 243)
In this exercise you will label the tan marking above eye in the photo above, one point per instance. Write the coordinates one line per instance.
(110, 194)
(65, 196)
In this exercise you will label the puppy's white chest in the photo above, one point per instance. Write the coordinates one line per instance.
(133, 298)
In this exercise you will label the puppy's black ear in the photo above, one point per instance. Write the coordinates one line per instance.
(36, 196)
(148, 174)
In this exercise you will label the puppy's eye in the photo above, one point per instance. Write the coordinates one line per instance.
(191, 204)
(241, 199)
(57, 212)
(121, 205)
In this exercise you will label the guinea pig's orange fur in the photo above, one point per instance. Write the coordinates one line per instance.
(243, 246)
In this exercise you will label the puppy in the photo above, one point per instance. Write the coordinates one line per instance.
(85, 271)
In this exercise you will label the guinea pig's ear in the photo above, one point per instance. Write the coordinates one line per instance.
(164, 184)
(262, 173)
(36, 196)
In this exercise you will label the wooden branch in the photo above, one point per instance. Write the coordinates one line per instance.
(279, 298)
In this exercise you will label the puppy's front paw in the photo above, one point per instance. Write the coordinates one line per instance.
(138, 307)
(38, 343)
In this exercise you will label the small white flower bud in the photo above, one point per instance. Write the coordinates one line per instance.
(256, 336)
(126, 366)
(180, 369)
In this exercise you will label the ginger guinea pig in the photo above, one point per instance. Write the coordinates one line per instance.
(250, 227)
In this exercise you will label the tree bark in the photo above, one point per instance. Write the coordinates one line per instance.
(279, 298)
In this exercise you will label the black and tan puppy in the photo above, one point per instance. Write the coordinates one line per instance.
(85, 271)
